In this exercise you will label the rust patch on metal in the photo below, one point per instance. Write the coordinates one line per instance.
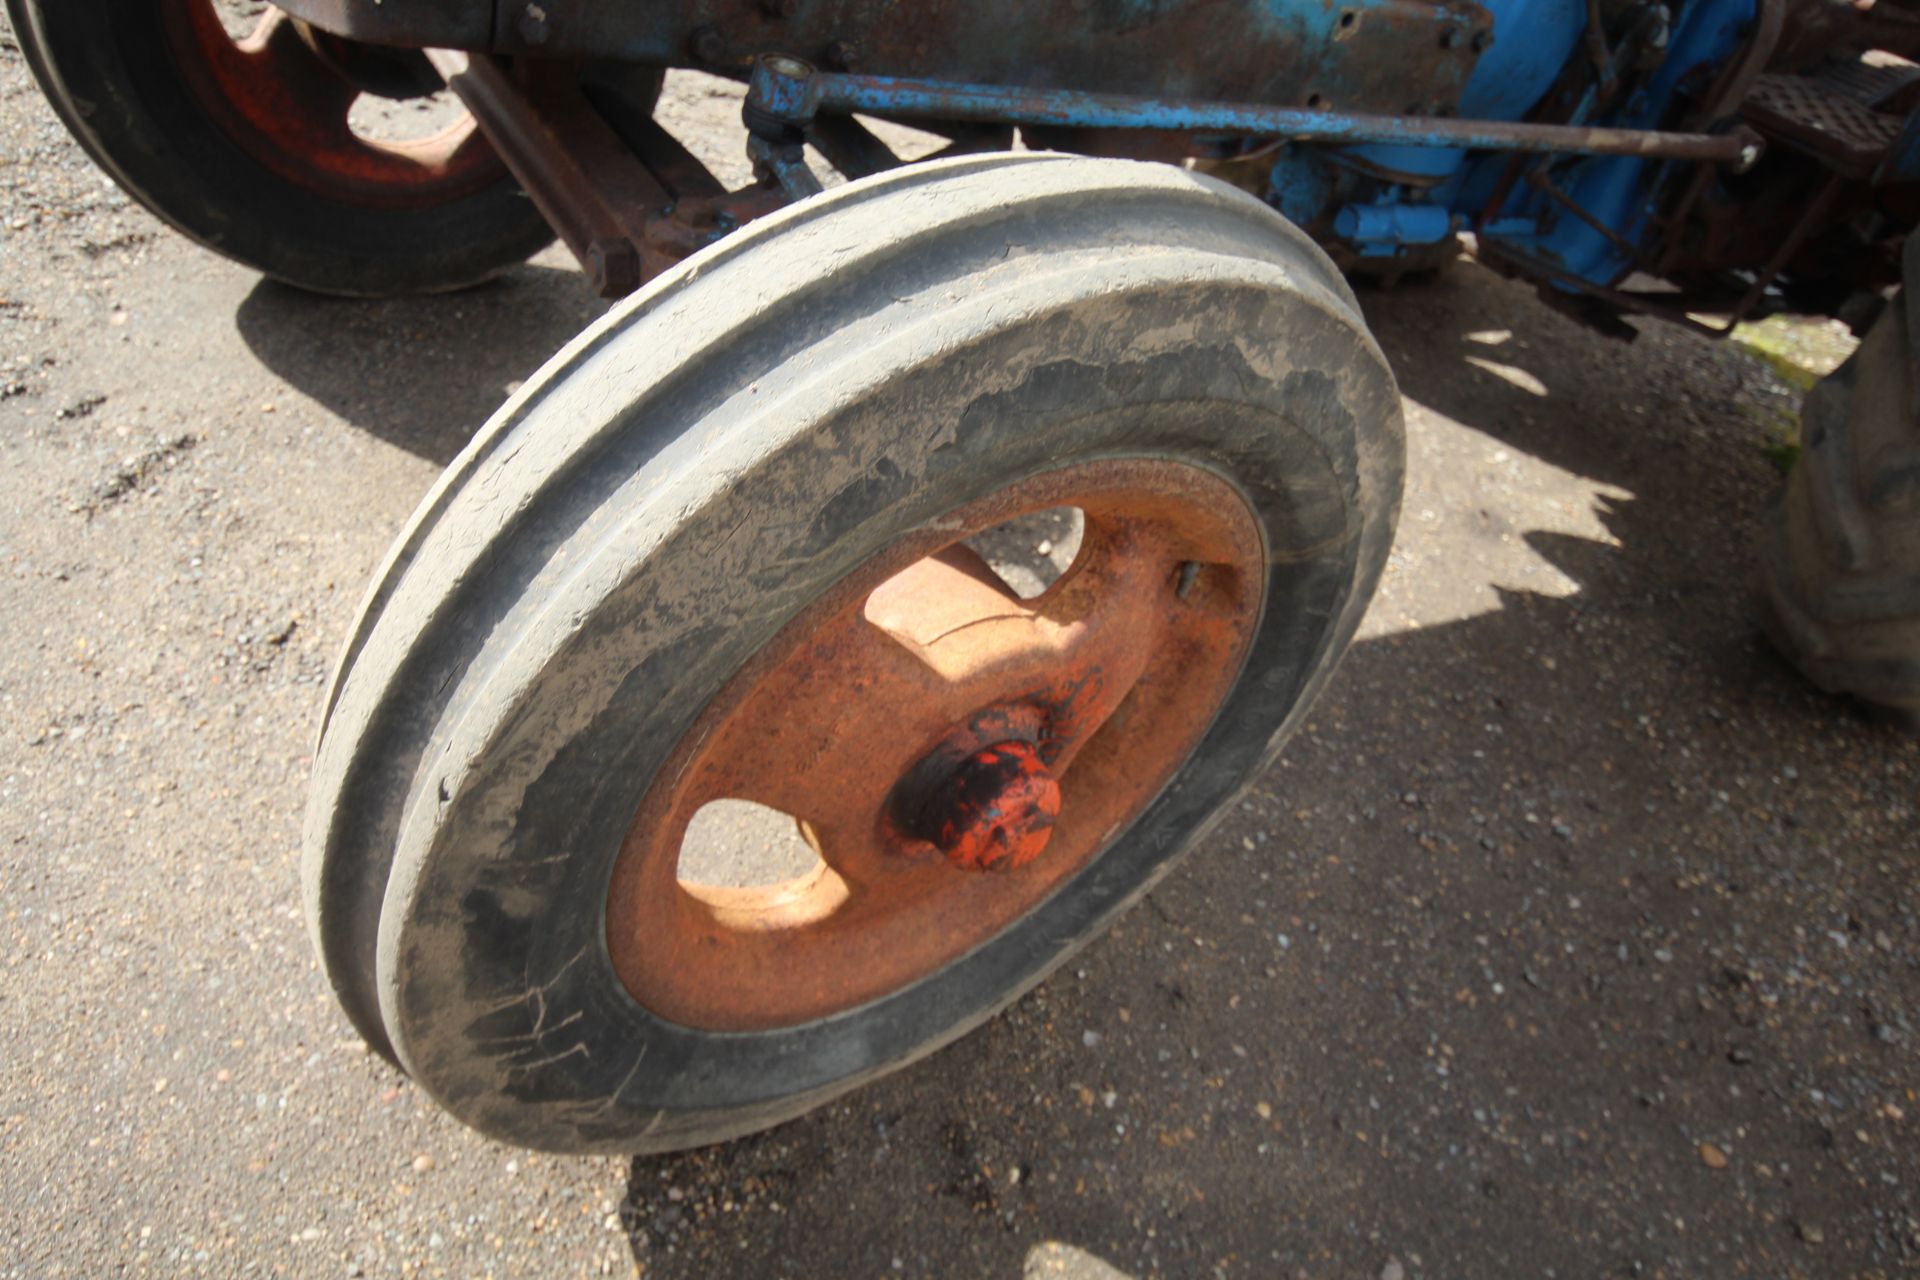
(923, 723)
(627, 212)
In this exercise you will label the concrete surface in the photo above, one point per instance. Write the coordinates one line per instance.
(1574, 937)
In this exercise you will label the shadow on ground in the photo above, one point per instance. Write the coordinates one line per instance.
(422, 373)
(1565, 940)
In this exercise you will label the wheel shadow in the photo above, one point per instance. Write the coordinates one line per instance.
(422, 373)
(1463, 982)
(1487, 352)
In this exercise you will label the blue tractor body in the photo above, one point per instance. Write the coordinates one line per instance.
(1724, 156)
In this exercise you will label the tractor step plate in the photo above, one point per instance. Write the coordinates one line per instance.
(1816, 117)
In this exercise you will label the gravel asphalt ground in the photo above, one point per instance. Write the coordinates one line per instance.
(1575, 936)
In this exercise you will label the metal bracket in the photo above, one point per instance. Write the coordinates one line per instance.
(628, 201)
(786, 91)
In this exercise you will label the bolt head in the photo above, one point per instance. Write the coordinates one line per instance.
(532, 25)
(613, 268)
(843, 55)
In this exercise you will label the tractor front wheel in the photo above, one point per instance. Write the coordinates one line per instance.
(720, 550)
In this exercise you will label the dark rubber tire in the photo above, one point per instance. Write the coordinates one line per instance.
(106, 67)
(696, 469)
(1840, 561)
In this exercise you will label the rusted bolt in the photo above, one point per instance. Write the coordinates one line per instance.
(1184, 580)
(995, 811)
(613, 267)
(1482, 41)
(1449, 37)
(843, 55)
(708, 44)
(532, 25)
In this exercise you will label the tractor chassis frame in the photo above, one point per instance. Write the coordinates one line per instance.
(628, 200)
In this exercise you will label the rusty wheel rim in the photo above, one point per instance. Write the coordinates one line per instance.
(282, 102)
(954, 754)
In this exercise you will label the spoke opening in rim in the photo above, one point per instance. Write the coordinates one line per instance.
(390, 121)
(1031, 552)
(240, 18)
(738, 844)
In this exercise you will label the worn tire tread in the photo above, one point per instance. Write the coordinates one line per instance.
(1840, 554)
(644, 418)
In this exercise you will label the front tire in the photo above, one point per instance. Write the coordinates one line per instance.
(702, 492)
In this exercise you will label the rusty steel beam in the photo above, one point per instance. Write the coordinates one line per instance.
(624, 195)
(586, 182)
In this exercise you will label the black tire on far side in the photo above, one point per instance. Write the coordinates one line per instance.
(113, 71)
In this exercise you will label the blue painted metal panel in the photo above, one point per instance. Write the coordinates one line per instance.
(1380, 182)
(1369, 225)
(1623, 193)
(1532, 40)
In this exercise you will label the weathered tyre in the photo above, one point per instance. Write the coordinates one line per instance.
(713, 550)
(1840, 561)
(245, 146)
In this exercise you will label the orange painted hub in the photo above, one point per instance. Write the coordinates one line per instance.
(923, 724)
(286, 106)
(995, 812)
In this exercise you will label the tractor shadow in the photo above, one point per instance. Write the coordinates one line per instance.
(422, 373)
(1445, 989)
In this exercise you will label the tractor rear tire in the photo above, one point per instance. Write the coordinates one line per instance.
(1840, 560)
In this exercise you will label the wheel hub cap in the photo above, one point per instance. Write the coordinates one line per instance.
(995, 812)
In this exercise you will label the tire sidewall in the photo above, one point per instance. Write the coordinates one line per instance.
(493, 954)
